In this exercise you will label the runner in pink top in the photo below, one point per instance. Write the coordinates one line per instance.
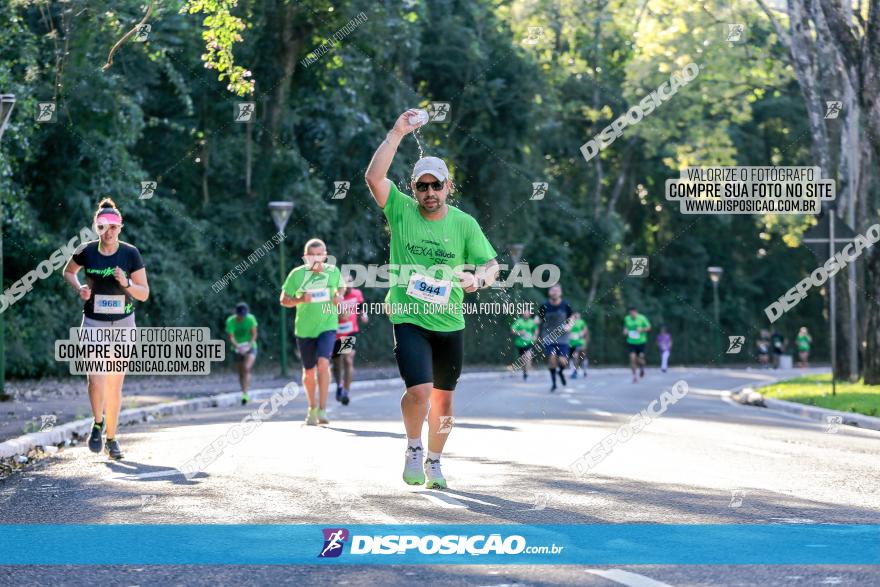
(346, 334)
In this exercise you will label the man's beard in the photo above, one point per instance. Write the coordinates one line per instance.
(431, 205)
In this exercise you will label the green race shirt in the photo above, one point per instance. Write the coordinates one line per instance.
(241, 329)
(525, 330)
(803, 342)
(576, 336)
(313, 318)
(428, 250)
(631, 324)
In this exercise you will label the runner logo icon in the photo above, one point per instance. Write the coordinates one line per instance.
(334, 540)
(735, 344)
(346, 345)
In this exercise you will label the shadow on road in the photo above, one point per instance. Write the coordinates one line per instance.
(133, 471)
(368, 433)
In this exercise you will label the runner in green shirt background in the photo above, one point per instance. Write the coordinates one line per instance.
(525, 328)
(578, 338)
(315, 289)
(803, 341)
(241, 328)
(636, 328)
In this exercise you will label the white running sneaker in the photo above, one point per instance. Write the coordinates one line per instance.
(412, 468)
(435, 479)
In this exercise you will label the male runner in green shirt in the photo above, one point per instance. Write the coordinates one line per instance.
(428, 239)
(525, 328)
(578, 337)
(636, 328)
(241, 328)
(315, 289)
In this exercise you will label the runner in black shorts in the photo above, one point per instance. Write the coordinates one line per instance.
(441, 244)
(525, 328)
(241, 328)
(636, 328)
(555, 315)
(315, 289)
(350, 310)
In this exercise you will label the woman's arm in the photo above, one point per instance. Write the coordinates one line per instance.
(139, 289)
(70, 276)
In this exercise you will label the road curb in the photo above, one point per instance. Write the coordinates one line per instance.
(755, 398)
(821, 414)
(65, 433)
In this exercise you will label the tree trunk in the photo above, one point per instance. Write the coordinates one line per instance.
(803, 53)
(861, 54)
(206, 169)
(849, 179)
(291, 41)
(872, 319)
(843, 369)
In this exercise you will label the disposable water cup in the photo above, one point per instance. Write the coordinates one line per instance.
(420, 118)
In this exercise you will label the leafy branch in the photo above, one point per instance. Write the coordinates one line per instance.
(222, 31)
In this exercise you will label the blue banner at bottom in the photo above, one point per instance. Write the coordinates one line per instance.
(595, 544)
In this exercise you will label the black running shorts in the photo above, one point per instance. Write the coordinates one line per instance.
(425, 356)
(637, 349)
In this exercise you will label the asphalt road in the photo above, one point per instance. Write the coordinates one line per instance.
(707, 460)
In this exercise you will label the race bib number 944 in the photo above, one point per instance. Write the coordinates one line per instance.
(428, 289)
(319, 295)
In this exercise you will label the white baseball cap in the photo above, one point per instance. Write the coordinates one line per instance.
(433, 165)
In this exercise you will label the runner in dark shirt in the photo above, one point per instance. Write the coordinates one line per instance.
(115, 277)
(110, 301)
(555, 315)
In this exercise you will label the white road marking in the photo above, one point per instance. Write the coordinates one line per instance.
(573, 401)
(753, 451)
(796, 521)
(449, 493)
(600, 413)
(627, 578)
(151, 475)
(448, 499)
(442, 500)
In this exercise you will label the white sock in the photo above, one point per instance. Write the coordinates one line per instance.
(434, 456)
(414, 443)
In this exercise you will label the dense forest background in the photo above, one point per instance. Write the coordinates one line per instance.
(528, 83)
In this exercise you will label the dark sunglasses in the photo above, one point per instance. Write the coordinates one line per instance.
(422, 186)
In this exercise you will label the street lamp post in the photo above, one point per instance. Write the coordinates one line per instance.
(515, 250)
(715, 277)
(7, 102)
(280, 212)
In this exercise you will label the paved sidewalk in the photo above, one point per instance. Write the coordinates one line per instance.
(67, 399)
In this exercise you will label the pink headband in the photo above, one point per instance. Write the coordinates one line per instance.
(109, 217)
